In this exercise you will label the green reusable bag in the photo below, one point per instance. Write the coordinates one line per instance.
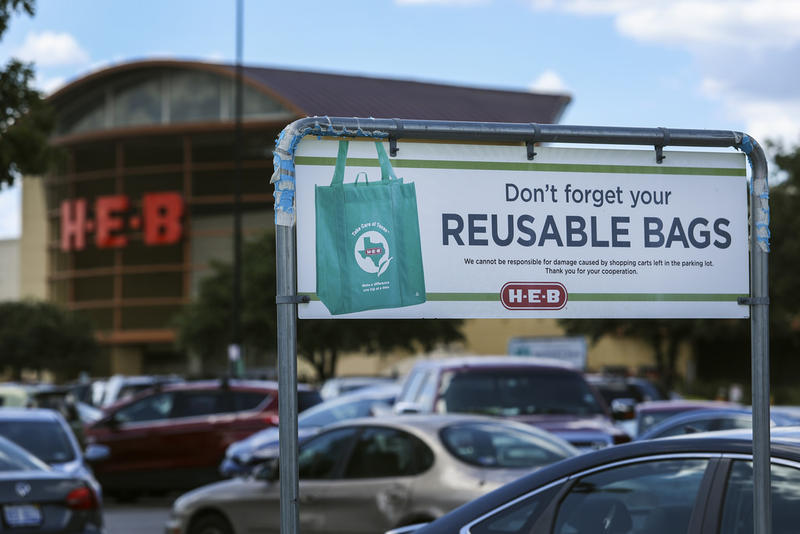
(368, 246)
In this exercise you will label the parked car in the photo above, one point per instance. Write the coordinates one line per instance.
(692, 484)
(651, 413)
(368, 475)
(241, 456)
(47, 435)
(175, 436)
(623, 393)
(333, 387)
(547, 394)
(36, 498)
(121, 387)
(710, 421)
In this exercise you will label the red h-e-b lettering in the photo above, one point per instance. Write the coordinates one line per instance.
(73, 224)
(109, 222)
(162, 218)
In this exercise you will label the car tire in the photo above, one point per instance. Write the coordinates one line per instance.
(210, 524)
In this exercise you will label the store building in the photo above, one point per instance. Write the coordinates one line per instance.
(127, 225)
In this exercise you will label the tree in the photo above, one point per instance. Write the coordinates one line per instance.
(25, 118)
(663, 336)
(722, 346)
(204, 326)
(41, 336)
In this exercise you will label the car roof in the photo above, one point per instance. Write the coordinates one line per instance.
(494, 361)
(432, 423)
(785, 444)
(29, 414)
(666, 405)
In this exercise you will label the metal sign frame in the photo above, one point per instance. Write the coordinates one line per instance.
(527, 134)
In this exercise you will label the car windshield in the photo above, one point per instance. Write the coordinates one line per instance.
(14, 458)
(502, 446)
(516, 391)
(47, 440)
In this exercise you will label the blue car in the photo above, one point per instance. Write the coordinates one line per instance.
(710, 421)
(241, 456)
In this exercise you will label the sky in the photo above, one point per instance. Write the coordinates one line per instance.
(716, 64)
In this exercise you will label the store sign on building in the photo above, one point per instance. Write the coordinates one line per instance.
(480, 231)
(113, 218)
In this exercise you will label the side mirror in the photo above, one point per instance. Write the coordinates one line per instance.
(96, 453)
(623, 409)
(407, 407)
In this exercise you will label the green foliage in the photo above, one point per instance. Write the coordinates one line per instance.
(722, 347)
(204, 327)
(25, 118)
(40, 335)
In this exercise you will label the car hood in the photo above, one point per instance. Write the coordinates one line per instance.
(561, 424)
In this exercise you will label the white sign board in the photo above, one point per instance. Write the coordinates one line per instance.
(484, 232)
(571, 350)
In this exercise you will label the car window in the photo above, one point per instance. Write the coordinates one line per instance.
(387, 452)
(516, 391)
(319, 457)
(411, 386)
(517, 518)
(654, 497)
(427, 390)
(153, 408)
(501, 446)
(15, 458)
(199, 403)
(47, 440)
(737, 510)
(249, 400)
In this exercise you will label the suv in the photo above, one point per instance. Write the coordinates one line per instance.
(544, 393)
(174, 436)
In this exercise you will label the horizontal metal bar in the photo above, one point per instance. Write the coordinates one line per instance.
(292, 299)
(504, 131)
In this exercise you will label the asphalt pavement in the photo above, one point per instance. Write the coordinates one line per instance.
(145, 516)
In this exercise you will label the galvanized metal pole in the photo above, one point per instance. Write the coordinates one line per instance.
(287, 378)
(759, 339)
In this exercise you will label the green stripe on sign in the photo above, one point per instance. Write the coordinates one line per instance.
(586, 297)
(510, 166)
(653, 297)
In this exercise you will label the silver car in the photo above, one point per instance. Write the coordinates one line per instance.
(371, 475)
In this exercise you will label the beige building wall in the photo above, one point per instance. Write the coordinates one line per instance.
(9, 269)
(33, 243)
(491, 337)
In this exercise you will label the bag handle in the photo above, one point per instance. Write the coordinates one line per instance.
(387, 172)
(341, 161)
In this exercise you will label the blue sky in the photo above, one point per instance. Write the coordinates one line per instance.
(719, 64)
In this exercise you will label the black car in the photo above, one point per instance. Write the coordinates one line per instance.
(694, 485)
(35, 498)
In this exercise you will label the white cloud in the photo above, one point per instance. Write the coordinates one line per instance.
(548, 82)
(49, 85)
(50, 49)
(748, 50)
(9, 212)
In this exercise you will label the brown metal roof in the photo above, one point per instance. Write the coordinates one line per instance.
(316, 93)
(339, 95)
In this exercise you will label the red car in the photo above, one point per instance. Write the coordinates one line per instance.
(174, 437)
